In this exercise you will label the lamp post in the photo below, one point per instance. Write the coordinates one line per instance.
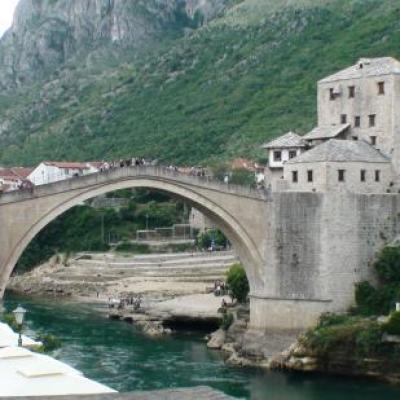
(19, 314)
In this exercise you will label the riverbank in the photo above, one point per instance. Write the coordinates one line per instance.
(173, 287)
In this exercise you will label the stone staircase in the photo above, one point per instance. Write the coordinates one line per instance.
(205, 267)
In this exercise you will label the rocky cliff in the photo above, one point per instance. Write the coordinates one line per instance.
(47, 33)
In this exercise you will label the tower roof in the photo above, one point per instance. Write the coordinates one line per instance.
(366, 67)
(326, 132)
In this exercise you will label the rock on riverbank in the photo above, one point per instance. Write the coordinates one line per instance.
(248, 347)
(332, 351)
(192, 310)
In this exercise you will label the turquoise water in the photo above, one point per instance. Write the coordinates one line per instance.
(116, 354)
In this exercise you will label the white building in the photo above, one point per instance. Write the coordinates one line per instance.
(280, 151)
(53, 171)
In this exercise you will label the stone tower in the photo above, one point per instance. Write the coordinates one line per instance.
(366, 96)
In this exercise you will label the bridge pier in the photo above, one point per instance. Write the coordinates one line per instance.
(285, 314)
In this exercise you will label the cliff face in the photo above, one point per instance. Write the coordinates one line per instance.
(46, 33)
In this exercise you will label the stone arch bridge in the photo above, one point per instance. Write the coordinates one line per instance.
(302, 252)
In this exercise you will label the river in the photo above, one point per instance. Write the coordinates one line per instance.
(118, 355)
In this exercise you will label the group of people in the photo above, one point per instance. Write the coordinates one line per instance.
(198, 171)
(130, 162)
(220, 288)
(134, 301)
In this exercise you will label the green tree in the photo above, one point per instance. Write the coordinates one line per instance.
(205, 239)
(238, 283)
(372, 300)
(242, 177)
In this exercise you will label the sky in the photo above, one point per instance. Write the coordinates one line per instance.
(6, 13)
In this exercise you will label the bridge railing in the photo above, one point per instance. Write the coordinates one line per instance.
(206, 180)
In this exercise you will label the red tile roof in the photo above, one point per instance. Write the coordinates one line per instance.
(242, 163)
(15, 173)
(22, 172)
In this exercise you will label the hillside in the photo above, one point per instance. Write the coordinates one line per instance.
(203, 88)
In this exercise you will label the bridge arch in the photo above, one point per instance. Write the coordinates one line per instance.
(244, 245)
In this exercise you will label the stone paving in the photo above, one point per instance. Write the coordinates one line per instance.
(197, 393)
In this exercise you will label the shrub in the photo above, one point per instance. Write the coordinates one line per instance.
(367, 299)
(128, 247)
(393, 325)
(387, 265)
(337, 334)
(368, 340)
(329, 319)
(227, 320)
(238, 283)
(9, 319)
(50, 342)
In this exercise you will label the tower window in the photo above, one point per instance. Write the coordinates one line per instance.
(373, 140)
(310, 175)
(352, 92)
(357, 121)
(343, 119)
(341, 175)
(295, 177)
(292, 154)
(277, 156)
(377, 175)
(363, 175)
(372, 120)
(331, 94)
(381, 87)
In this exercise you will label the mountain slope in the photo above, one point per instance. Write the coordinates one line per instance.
(214, 93)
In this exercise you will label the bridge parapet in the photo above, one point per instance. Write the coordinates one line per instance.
(149, 172)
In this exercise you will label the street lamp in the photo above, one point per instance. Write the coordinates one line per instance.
(19, 314)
